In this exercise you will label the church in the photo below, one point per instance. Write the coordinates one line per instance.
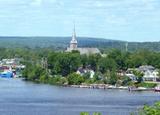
(74, 47)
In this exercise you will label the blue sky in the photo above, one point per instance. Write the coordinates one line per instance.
(131, 20)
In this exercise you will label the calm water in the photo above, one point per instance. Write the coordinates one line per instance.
(24, 98)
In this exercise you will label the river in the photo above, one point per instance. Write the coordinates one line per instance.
(18, 97)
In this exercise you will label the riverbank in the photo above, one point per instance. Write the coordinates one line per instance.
(105, 86)
(137, 87)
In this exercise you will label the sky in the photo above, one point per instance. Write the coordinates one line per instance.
(129, 20)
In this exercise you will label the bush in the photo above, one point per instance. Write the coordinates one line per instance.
(149, 110)
(147, 85)
(84, 113)
(57, 80)
(126, 81)
(89, 81)
(43, 78)
(75, 79)
(96, 113)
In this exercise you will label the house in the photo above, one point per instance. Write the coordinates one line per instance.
(131, 76)
(146, 68)
(129, 73)
(149, 73)
(81, 71)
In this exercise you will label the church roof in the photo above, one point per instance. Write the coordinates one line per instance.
(88, 50)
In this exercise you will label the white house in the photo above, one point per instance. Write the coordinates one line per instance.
(81, 71)
(150, 75)
(131, 76)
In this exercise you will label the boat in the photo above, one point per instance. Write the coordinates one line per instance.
(6, 74)
(157, 89)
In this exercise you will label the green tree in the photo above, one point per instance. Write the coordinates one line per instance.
(126, 81)
(120, 58)
(113, 77)
(75, 79)
(139, 76)
(84, 113)
(106, 64)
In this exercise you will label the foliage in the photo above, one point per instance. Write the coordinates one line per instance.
(57, 80)
(96, 113)
(147, 85)
(60, 43)
(65, 64)
(113, 78)
(86, 113)
(126, 81)
(86, 75)
(139, 76)
(149, 110)
(159, 72)
(106, 64)
(97, 76)
(75, 79)
(120, 58)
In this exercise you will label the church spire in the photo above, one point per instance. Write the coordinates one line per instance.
(73, 43)
(74, 33)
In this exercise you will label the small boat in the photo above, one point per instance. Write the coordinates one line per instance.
(157, 89)
(6, 74)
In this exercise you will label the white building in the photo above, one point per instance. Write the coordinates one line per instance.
(74, 46)
(150, 75)
(81, 71)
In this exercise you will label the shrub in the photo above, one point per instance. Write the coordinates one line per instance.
(75, 79)
(147, 85)
(84, 113)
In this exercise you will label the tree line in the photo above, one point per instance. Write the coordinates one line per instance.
(61, 66)
(55, 67)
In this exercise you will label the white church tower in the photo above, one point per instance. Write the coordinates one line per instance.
(73, 43)
(74, 46)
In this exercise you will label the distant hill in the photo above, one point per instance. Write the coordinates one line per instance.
(60, 43)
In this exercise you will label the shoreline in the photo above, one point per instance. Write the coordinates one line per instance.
(105, 86)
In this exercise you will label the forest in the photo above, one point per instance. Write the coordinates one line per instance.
(61, 43)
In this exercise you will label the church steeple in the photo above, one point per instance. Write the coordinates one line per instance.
(74, 33)
(73, 43)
